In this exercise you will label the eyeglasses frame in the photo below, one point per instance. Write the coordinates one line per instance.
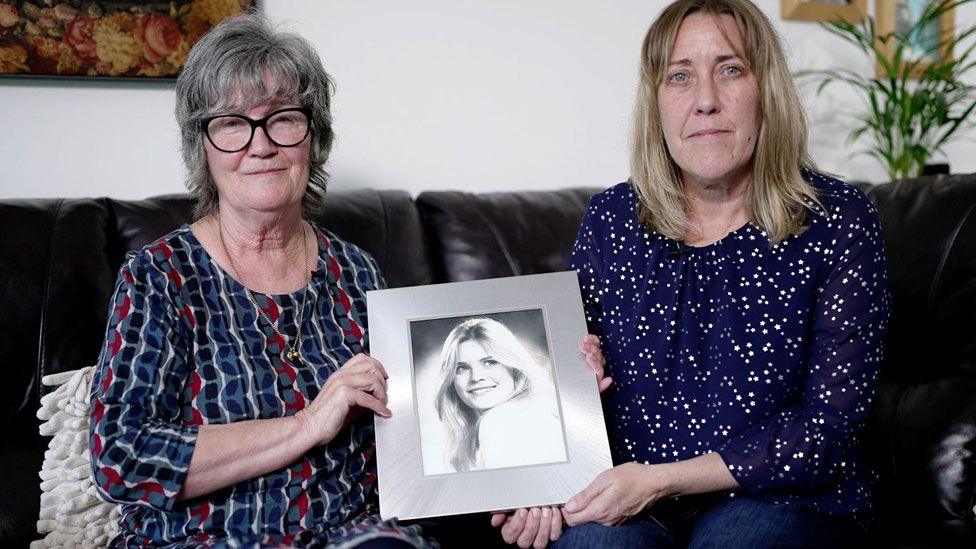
(260, 123)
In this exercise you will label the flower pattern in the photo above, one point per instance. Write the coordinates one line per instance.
(80, 38)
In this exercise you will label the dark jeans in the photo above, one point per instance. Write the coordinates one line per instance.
(724, 523)
(384, 543)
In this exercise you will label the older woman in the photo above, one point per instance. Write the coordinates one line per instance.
(495, 397)
(232, 403)
(742, 303)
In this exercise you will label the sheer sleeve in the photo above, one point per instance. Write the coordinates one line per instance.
(586, 260)
(140, 448)
(805, 444)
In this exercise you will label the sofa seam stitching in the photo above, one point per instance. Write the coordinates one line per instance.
(937, 280)
(386, 232)
(501, 243)
(893, 441)
(42, 351)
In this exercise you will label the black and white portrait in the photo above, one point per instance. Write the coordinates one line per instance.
(494, 405)
(486, 392)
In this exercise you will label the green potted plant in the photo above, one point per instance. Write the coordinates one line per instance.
(918, 102)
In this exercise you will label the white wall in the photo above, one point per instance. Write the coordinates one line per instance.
(432, 94)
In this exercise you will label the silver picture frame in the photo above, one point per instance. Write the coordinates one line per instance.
(449, 361)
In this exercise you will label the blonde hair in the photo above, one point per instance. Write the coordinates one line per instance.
(463, 421)
(778, 196)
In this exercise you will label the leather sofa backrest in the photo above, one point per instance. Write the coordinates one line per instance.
(56, 280)
(490, 235)
(930, 234)
(923, 433)
(384, 223)
(59, 260)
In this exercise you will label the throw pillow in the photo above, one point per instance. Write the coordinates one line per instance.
(72, 514)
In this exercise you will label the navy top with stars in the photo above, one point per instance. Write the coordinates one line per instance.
(766, 354)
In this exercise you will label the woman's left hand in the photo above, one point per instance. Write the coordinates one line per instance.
(618, 494)
(590, 347)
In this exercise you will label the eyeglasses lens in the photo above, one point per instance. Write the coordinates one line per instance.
(232, 133)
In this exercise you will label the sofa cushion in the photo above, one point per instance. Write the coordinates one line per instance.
(384, 223)
(26, 226)
(55, 285)
(387, 225)
(923, 431)
(60, 258)
(490, 235)
(20, 490)
(930, 236)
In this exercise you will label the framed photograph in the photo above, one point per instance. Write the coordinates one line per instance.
(134, 40)
(852, 11)
(494, 406)
(924, 45)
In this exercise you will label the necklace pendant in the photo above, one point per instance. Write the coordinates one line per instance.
(293, 355)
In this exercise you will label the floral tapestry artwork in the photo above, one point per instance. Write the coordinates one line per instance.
(105, 39)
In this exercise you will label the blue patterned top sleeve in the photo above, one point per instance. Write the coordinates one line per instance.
(184, 347)
(766, 354)
(138, 410)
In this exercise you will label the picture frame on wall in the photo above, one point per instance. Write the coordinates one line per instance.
(895, 18)
(493, 405)
(142, 40)
(852, 11)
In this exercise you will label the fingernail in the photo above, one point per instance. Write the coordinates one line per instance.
(536, 513)
(545, 512)
(570, 506)
(522, 513)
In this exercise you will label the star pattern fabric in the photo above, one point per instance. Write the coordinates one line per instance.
(766, 354)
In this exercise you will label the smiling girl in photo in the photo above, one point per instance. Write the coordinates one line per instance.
(497, 400)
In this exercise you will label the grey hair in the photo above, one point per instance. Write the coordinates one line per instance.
(242, 62)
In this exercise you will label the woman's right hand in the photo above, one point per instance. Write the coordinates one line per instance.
(534, 527)
(357, 386)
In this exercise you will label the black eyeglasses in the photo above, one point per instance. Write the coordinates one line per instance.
(234, 132)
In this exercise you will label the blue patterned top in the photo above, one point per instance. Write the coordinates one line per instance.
(184, 347)
(765, 354)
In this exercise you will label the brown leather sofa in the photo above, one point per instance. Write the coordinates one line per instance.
(59, 258)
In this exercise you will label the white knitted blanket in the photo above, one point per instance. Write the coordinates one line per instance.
(72, 515)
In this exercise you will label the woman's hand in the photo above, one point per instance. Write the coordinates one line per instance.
(618, 494)
(534, 527)
(590, 347)
(359, 385)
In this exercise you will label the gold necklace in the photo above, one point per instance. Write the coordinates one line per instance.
(290, 353)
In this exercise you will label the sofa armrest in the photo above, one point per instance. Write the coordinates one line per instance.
(924, 440)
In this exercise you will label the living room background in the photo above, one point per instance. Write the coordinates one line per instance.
(432, 95)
